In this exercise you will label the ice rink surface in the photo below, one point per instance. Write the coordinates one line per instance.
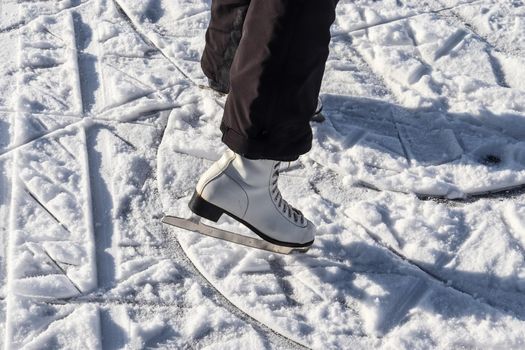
(416, 182)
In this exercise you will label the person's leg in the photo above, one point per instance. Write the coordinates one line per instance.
(222, 39)
(275, 80)
(276, 76)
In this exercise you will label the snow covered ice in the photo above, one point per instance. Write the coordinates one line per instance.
(415, 181)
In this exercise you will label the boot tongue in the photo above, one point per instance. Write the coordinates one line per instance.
(254, 172)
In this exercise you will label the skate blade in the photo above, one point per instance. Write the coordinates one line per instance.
(194, 224)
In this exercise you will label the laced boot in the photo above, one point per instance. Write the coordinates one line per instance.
(247, 190)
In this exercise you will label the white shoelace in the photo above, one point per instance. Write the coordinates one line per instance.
(282, 204)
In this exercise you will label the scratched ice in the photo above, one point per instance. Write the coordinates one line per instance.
(415, 182)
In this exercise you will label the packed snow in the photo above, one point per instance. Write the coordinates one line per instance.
(415, 181)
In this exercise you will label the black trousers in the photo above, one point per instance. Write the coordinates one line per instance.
(270, 55)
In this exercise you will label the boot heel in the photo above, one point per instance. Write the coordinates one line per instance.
(204, 209)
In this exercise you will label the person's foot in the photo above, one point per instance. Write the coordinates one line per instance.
(247, 191)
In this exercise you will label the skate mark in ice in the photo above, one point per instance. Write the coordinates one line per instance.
(152, 54)
(398, 312)
(50, 322)
(42, 125)
(277, 267)
(37, 107)
(145, 38)
(318, 296)
(348, 73)
(449, 44)
(140, 121)
(137, 116)
(514, 229)
(87, 63)
(126, 142)
(78, 121)
(511, 193)
(402, 142)
(46, 58)
(44, 66)
(57, 265)
(148, 268)
(173, 249)
(425, 67)
(12, 28)
(386, 219)
(498, 292)
(151, 35)
(41, 205)
(448, 140)
(77, 46)
(109, 300)
(341, 261)
(497, 67)
(458, 240)
(68, 328)
(68, 152)
(102, 206)
(492, 47)
(147, 89)
(435, 147)
(389, 311)
(493, 26)
(379, 241)
(409, 16)
(37, 12)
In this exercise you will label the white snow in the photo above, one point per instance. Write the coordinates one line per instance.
(415, 182)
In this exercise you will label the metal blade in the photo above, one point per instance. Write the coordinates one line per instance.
(194, 224)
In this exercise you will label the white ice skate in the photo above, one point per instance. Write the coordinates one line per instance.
(247, 191)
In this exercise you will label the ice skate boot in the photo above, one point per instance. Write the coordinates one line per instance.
(247, 191)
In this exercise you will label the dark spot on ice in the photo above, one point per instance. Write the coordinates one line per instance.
(491, 160)
(154, 11)
(157, 81)
(36, 106)
(150, 53)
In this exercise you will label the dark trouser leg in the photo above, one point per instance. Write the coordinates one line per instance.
(276, 76)
(222, 39)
